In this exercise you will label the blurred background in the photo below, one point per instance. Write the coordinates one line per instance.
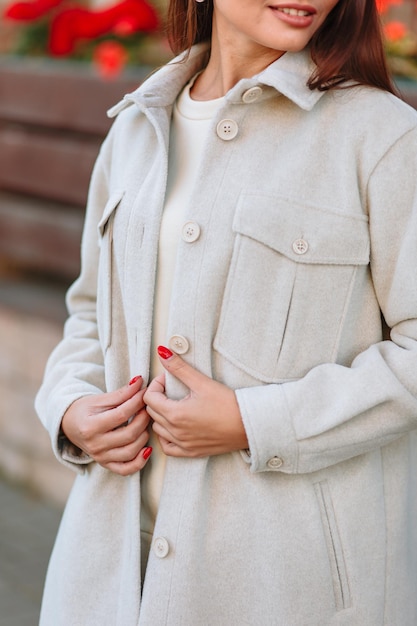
(63, 63)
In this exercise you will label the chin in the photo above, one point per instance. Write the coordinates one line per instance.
(291, 45)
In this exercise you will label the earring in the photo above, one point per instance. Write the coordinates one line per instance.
(200, 0)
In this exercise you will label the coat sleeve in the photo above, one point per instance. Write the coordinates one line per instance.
(334, 412)
(75, 368)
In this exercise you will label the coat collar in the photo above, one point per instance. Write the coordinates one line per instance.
(287, 76)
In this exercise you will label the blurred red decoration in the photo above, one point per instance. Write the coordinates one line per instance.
(125, 27)
(395, 31)
(28, 11)
(384, 5)
(69, 25)
(399, 22)
(110, 58)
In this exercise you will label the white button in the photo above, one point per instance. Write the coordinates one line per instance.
(275, 462)
(179, 344)
(300, 246)
(252, 94)
(160, 547)
(227, 129)
(190, 232)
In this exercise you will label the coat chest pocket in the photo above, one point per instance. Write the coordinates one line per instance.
(289, 285)
(105, 269)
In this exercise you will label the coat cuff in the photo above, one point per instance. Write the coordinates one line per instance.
(70, 452)
(269, 429)
(65, 451)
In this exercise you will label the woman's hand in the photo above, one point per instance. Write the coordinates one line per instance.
(206, 422)
(98, 425)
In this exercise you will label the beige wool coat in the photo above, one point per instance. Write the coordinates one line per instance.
(300, 235)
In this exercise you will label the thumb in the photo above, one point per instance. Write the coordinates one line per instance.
(179, 368)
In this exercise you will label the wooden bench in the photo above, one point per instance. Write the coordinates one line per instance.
(52, 122)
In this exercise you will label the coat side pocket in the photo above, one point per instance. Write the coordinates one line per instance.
(105, 269)
(337, 564)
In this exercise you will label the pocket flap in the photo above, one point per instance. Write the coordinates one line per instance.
(111, 204)
(303, 233)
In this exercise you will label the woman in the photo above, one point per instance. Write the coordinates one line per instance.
(277, 170)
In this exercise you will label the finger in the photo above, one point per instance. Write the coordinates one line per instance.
(124, 435)
(155, 399)
(103, 431)
(119, 415)
(157, 404)
(115, 398)
(124, 454)
(183, 442)
(162, 429)
(171, 448)
(157, 384)
(99, 407)
(179, 368)
(133, 466)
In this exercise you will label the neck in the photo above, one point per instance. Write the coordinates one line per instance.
(230, 60)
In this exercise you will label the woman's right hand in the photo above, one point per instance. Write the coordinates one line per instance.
(111, 428)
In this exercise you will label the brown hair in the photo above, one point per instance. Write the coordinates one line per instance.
(189, 22)
(348, 45)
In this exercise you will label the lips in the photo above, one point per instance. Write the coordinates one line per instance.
(297, 16)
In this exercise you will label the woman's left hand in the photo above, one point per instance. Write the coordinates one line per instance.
(206, 422)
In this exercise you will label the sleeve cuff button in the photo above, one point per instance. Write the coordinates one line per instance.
(275, 463)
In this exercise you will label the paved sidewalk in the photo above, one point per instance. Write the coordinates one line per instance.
(27, 531)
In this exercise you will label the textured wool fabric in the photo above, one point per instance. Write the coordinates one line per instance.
(306, 205)
(191, 121)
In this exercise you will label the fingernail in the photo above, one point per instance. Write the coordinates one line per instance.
(135, 380)
(147, 453)
(164, 353)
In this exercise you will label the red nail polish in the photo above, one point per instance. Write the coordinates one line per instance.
(164, 353)
(135, 380)
(147, 453)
